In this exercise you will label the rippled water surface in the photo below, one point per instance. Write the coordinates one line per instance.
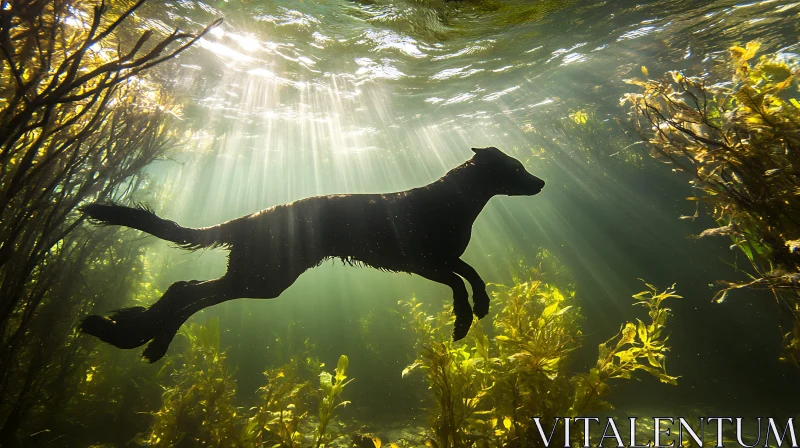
(290, 99)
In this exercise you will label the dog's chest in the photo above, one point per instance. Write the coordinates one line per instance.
(443, 229)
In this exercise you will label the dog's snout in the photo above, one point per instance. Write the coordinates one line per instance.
(537, 183)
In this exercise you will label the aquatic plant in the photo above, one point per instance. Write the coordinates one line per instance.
(70, 130)
(283, 408)
(536, 329)
(280, 420)
(369, 441)
(199, 408)
(453, 373)
(331, 387)
(486, 394)
(740, 141)
(102, 387)
(591, 135)
(637, 346)
(79, 384)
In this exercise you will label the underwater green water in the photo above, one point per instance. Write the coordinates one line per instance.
(287, 100)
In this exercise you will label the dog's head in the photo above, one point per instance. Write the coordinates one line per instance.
(504, 174)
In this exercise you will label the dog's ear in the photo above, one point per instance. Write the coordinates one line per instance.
(487, 150)
(482, 156)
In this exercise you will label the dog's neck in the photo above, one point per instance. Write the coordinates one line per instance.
(466, 188)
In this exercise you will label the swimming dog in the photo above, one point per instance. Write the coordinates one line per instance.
(423, 231)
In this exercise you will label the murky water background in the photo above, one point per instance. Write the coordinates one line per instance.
(293, 99)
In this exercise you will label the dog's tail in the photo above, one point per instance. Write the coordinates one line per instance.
(143, 218)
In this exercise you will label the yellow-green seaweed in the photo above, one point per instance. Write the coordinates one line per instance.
(740, 142)
(486, 393)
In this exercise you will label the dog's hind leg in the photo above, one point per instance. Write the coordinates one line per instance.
(265, 284)
(171, 314)
(480, 299)
(461, 307)
(121, 328)
(133, 327)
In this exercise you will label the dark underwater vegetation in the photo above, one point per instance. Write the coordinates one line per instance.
(206, 111)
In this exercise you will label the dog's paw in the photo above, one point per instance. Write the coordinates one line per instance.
(461, 327)
(480, 305)
(158, 347)
(155, 350)
(122, 329)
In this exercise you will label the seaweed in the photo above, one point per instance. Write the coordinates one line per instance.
(454, 378)
(331, 387)
(82, 384)
(369, 441)
(739, 141)
(79, 118)
(638, 346)
(284, 408)
(199, 408)
(536, 328)
(487, 393)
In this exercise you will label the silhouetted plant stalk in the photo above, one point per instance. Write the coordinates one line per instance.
(741, 143)
(71, 388)
(77, 118)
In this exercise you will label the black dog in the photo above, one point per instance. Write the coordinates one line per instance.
(422, 231)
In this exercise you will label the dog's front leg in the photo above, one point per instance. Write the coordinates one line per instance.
(480, 299)
(461, 307)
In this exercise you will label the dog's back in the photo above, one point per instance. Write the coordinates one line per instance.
(386, 231)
